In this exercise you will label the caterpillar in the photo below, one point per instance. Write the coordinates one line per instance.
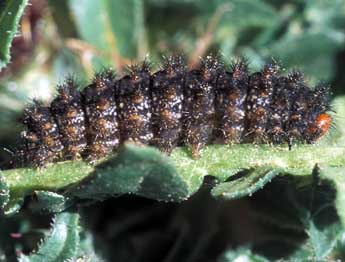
(213, 104)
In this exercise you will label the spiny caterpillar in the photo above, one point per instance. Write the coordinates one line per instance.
(173, 107)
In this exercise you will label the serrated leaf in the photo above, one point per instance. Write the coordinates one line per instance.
(116, 26)
(147, 172)
(300, 214)
(10, 13)
(62, 242)
(323, 241)
(315, 208)
(246, 185)
(24, 181)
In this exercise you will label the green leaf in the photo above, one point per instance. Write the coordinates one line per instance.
(10, 13)
(62, 18)
(241, 254)
(257, 13)
(4, 193)
(300, 214)
(337, 134)
(117, 27)
(246, 185)
(305, 49)
(13, 205)
(316, 211)
(143, 171)
(50, 202)
(86, 250)
(24, 181)
(337, 177)
(324, 14)
(61, 243)
(323, 241)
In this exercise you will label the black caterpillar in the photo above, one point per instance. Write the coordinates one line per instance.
(172, 107)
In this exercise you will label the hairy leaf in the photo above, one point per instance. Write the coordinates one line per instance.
(316, 211)
(145, 171)
(62, 242)
(249, 183)
(10, 13)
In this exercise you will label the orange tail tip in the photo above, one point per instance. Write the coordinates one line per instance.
(323, 122)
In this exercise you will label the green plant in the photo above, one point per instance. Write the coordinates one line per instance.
(249, 202)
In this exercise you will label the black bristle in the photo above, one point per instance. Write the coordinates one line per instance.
(167, 98)
(43, 138)
(133, 96)
(279, 111)
(199, 113)
(173, 107)
(300, 104)
(261, 89)
(69, 115)
(232, 88)
(102, 128)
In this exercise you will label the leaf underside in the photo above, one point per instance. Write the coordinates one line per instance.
(146, 172)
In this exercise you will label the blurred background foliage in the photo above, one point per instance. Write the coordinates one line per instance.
(78, 37)
(61, 37)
